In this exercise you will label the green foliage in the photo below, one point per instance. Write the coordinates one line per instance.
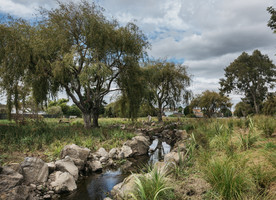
(211, 103)
(168, 84)
(54, 110)
(152, 186)
(251, 75)
(243, 109)
(269, 106)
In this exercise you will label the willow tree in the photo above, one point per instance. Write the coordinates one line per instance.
(84, 53)
(14, 61)
(168, 84)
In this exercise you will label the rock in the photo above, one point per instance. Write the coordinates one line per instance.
(33, 186)
(107, 198)
(39, 187)
(113, 152)
(173, 157)
(125, 152)
(126, 166)
(78, 154)
(123, 189)
(95, 165)
(47, 196)
(102, 152)
(182, 134)
(153, 124)
(62, 182)
(14, 166)
(139, 145)
(67, 165)
(51, 167)
(103, 160)
(9, 179)
(273, 134)
(34, 170)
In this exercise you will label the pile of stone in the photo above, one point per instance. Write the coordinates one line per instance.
(35, 179)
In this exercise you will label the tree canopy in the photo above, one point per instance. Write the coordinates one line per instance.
(211, 103)
(168, 84)
(251, 75)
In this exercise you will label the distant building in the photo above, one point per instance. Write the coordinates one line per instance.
(198, 113)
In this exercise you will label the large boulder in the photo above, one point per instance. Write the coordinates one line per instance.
(139, 145)
(67, 165)
(123, 189)
(125, 152)
(77, 154)
(34, 170)
(62, 182)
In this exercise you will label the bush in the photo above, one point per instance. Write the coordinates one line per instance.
(54, 110)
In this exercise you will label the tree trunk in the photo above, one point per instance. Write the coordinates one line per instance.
(95, 117)
(159, 115)
(255, 104)
(87, 120)
(95, 121)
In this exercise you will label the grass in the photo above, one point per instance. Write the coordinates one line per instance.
(236, 157)
(153, 186)
(228, 178)
(50, 137)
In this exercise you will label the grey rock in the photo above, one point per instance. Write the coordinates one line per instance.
(113, 152)
(102, 152)
(51, 167)
(67, 165)
(34, 170)
(95, 165)
(78, 154)
(139, 145)
(62, 182)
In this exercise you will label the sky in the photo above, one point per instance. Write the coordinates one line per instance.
(205, 35)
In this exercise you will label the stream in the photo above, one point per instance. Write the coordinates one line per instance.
(98, 185)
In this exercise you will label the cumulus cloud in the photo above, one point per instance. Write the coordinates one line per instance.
(207, 34)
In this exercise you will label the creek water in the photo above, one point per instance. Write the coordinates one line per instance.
(98, 185)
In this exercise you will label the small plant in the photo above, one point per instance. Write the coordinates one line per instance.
(270, 146)
(247, 140)
(152, 186)
(268, 127)
(262, 178)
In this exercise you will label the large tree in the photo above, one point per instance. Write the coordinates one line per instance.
(251, 75)
(211, 103)
(168, 84)
(14, 61)
(85, 54)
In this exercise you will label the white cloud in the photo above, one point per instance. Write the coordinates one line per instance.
(207, 34)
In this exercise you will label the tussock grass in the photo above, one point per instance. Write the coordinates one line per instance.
(153, 186)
